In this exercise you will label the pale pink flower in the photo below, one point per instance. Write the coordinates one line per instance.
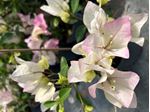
(118, 88)
(113, 38)
(94, 17)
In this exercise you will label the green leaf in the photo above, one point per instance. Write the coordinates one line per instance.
(50, 104)
(64, 94)
(74, 5)
(79, 33)
(63, 66)
(83, 100)
(5, 37)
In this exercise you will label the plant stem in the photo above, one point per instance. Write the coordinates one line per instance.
(25, 50)
(115, 109)
(80, 98)
(86, 1)
(76, 17)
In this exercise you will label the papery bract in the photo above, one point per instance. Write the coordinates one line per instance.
(95, 20)
(94, 17)
(118, 88)
(113, 37)
(137, 22)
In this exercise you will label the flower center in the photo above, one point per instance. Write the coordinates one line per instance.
(112, 83)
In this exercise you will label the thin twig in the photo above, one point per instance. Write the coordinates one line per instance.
(24, 50)
(80, 98)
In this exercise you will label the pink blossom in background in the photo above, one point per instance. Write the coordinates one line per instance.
(50, 55)
(5, 97)
(26, 19)
(40, 25)
(40, 21)
(51, 43)
(33, 43)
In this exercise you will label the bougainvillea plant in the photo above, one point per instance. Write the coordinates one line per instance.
(40, 32)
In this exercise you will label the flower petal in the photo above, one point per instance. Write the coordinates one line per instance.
(6, 97)
(55, 7)
(137, 22)
(112, 100)
(40, 21)
(45, 93)
(92, 88)
(33, 43)
(89, 14)
(51, 43)
(126, 79)
(117, 36)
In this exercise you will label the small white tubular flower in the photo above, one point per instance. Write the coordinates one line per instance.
(137, 22)
(58, 8)
(30, 77)
(94, 17)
